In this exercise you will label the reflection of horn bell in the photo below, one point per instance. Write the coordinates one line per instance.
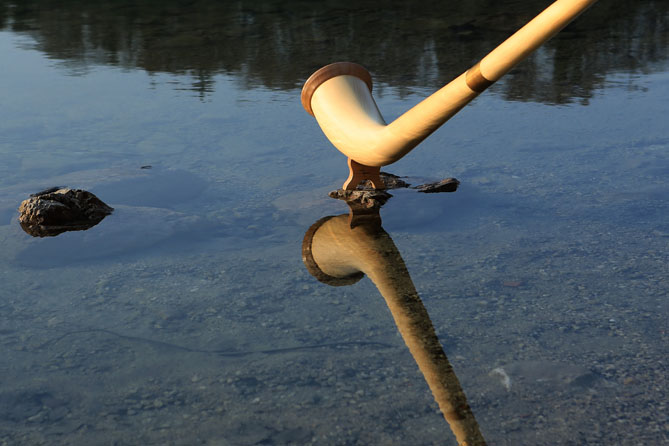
(339, 95)
(333, 250)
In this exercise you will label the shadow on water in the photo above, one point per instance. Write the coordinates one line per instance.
(129, 230)
(405, 44)
(448, 212)
(148, 214)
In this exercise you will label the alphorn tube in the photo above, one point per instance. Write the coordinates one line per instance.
(339, 95)
(337, 254)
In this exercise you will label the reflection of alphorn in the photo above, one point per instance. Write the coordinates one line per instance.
(339, 95)
(339, 255)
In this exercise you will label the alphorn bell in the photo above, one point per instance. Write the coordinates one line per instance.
(338, 254)
(339, 96)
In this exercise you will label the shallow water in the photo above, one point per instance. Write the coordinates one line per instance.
(188, 316)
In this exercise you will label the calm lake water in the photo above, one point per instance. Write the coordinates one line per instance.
(188, 316)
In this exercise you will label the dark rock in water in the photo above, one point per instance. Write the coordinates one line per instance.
(389, 180)
(447, 185)
(51, 212)
(392, 181)
(368, 199)
(47, 191)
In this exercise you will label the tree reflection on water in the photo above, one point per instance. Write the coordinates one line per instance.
(408, 44)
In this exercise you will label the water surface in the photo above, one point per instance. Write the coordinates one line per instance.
(188, 316)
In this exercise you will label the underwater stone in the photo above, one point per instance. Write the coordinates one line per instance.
(447, 185)
(390, 181)
(368, 199)
(51, 212)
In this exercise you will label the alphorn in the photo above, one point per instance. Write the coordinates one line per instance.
(339, 254)
(339, 96)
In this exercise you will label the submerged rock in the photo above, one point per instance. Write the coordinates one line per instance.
(390, 180)
(446, 185)
(368, 199)
(57, 210)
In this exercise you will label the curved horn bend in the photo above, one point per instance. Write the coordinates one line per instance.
(339, 95)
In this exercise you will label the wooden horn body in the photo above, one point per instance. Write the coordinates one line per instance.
(339, 95)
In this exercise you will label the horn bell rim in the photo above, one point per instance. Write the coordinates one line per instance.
(328, 72)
